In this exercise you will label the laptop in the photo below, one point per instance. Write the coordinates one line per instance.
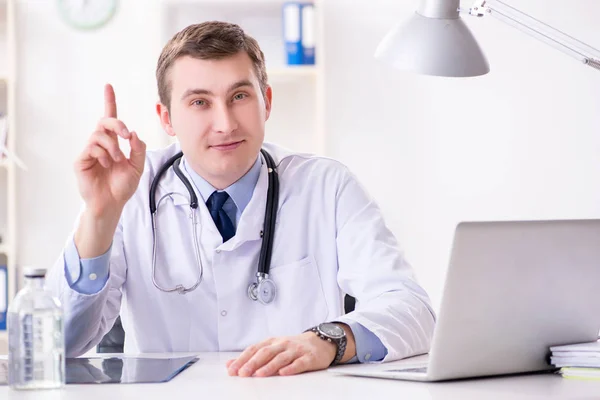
(512, 290)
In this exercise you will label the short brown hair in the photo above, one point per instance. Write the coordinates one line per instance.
(210, 40)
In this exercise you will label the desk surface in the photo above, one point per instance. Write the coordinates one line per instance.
(208, 379)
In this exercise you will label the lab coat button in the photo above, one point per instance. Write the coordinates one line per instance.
(224, 313)
(217, 251)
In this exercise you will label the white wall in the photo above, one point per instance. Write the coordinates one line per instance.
(520, 142)
(60, 99)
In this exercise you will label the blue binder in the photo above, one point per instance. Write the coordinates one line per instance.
(308, 33)
(292, 34)
(3, 296)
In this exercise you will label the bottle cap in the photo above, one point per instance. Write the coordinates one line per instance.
(34, 272)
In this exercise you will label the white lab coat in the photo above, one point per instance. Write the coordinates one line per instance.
(330, 239)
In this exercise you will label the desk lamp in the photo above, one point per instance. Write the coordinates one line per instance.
(436, 41)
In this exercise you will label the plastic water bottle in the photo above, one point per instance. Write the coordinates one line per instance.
(36, 346)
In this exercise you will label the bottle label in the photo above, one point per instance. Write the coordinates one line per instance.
(35, 348)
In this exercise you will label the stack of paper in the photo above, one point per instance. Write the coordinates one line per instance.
(578, 361)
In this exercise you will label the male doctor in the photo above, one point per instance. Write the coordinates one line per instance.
(330, 237)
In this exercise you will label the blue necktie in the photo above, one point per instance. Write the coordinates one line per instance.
(215, 207)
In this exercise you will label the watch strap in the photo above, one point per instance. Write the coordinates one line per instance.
(340, 344)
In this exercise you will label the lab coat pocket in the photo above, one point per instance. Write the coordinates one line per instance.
(300, 302)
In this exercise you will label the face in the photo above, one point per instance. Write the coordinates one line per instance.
(218, 113)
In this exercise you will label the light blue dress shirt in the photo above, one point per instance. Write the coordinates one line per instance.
(88, 276)
(239, 193)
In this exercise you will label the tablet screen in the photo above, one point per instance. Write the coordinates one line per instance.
(118, 369)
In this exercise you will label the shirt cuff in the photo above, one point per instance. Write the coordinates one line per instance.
(87, 276)
(368, 346)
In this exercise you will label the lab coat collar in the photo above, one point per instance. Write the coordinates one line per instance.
(240, 191)
(251, 221)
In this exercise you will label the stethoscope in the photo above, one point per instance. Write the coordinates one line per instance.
(263, 289)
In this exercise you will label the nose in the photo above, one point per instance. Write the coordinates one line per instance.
(224, 120)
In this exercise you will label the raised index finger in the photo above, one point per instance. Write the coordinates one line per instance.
(110, 102)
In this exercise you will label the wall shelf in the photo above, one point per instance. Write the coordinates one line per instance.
(292, 70)
(4, 249)
(8, 188)
(291, 73)
(3, 342)
(209, 3)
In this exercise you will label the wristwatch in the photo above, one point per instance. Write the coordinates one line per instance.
(332, 333)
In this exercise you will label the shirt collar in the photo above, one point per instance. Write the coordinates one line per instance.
(240, 191)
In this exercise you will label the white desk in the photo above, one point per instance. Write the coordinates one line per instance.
(208, 379)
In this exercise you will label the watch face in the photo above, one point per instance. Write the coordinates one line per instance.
(332, 330)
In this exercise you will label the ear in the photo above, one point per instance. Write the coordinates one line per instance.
(268, 101)
(165, 118)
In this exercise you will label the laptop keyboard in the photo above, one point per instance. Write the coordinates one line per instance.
(421, 370)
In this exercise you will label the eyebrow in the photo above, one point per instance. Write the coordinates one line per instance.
(237, 85)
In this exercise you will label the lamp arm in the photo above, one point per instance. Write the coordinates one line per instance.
(538, 29)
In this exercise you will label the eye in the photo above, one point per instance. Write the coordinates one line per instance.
(199, 103)
(240, 96)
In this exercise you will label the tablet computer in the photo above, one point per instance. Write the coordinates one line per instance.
(117, 369)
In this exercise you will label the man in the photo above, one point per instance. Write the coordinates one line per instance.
(330, 238)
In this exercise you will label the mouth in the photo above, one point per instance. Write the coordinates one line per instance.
(227, 146)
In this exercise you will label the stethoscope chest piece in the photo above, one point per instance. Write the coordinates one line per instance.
(263, 290)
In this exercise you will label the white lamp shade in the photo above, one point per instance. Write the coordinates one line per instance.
(433, 46)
